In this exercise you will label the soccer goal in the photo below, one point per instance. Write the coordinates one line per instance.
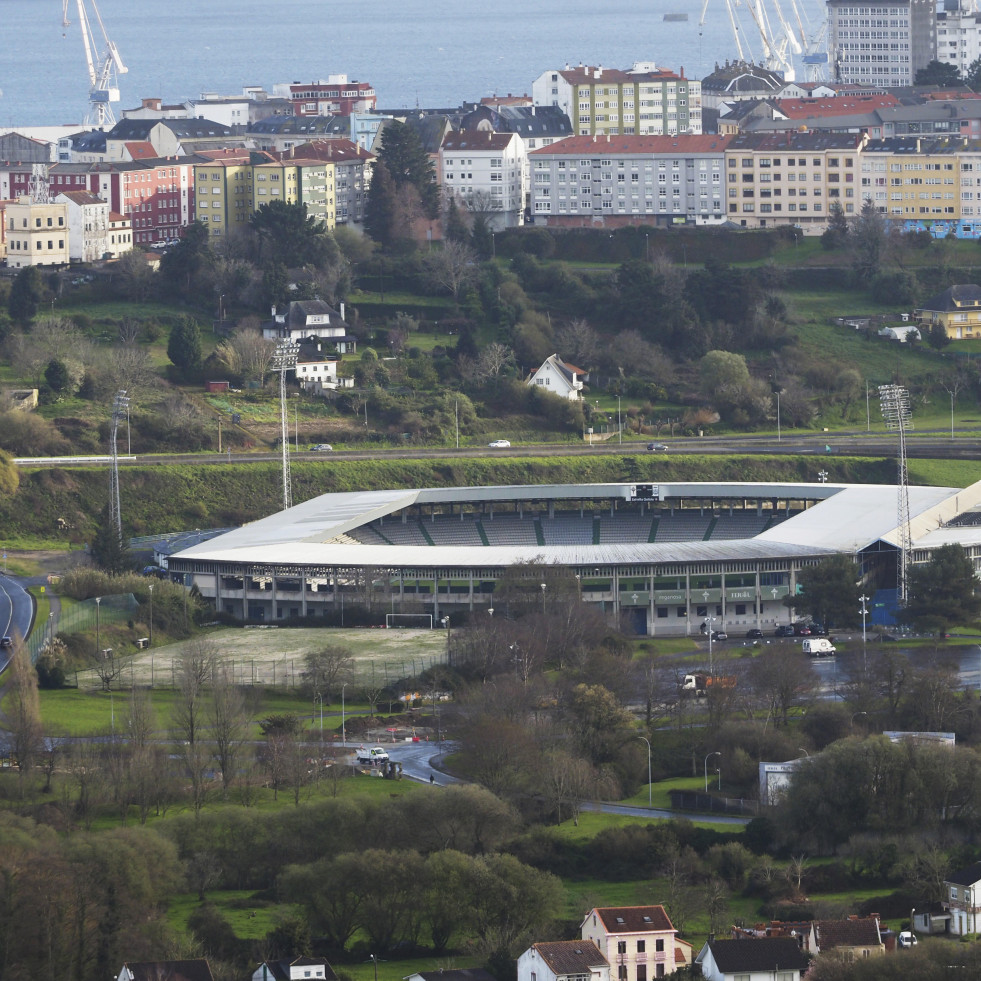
(409, 621)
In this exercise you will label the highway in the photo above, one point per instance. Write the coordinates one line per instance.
(16, 611)
(928, 445)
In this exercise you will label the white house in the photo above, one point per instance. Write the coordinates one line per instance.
(559, 378)
(190, 970)
(962, 900)
(766, 959)
(563, 960)
(88, 225)
(301, 969)
(317, 372)
(639, 941)
(488, 172)
(309, 319)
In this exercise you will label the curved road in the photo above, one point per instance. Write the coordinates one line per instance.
(16, 612)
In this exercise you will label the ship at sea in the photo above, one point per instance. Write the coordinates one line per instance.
(676, 17)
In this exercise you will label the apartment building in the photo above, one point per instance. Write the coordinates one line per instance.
(223, 191)
(639, 942)
(881, 42)
(37, 234)
(296, 180)
(88, 225)
(644, 100)
(488, 173)
(958, 34)
(621, 180)
(792, 178)
(352, 175)
(337, 95)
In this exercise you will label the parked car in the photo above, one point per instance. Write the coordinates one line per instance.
(657, 448)
(499, 444)
(802, 630)
(6, 642)
(819, 630)
(784, 630)
(754, 634)
(322, 448)
(719, 635)
(907, 939)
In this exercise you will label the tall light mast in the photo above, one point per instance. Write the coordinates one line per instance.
(103, 69)
(895, 405)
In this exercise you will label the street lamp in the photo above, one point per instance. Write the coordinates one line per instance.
(446, 626)
(823, 476)
(619, 424)
(320, 698)
(863, 599)
(98, 635)
(543, 587)
(710, 621)
(650, 788)
(151, 614)
(705, 768)
(343, 716)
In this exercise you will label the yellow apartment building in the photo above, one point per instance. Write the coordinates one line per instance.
(37, 234)
(777, 179)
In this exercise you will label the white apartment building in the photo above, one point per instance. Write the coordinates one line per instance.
(645, 100)
(37, 234)
(663, 180)
(884, 42)
(488, 173)
(958, 35)
(88, 225)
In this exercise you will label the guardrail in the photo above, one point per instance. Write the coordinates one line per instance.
(28, 460)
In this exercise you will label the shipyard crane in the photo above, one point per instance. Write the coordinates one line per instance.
(103, 89)
(732, 21)
(815, 47)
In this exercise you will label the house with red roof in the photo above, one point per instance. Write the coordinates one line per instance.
(563, 960)
(640, 942)
(559, 378)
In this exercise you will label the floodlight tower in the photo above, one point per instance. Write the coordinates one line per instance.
(120, 408)
(283, 360)
(894, 403)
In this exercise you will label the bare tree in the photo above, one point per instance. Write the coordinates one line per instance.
(139, 717)
(134, 275)
(107, 667)
(453, 267)
(577, 342)
(494, 358)
(23, 711)
(194, 668)
(246, 354)
(229, 725)
(325, 669)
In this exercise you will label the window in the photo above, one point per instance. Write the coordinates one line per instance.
(641, 972)
(659, 945)
(622, 972)
(621, 946)
(641, 946)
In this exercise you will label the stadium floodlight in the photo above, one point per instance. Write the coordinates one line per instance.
(283, 360)
(895, 406)
(120, 408)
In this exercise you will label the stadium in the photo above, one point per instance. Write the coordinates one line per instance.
(656, 558)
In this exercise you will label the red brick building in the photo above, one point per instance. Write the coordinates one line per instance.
(335, 97)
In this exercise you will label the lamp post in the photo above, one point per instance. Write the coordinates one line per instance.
(320, 698)
(863, 599)
(446, 626)
(778, 417)
(98, 635)
(343, 716)
(150, 587)
(650, 788)
(543, 588)
(823, 476)
(619, 424)
(710, 621)
(705, 768)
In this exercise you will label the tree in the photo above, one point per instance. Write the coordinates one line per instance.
(380, 207)
(110, 549)
(325, 669)
(287, 234)
(940, 73)
(837, 232)
(869, 239)
(57, 376)
(184, 345)
(972, 77)
(229, 725)
(455, 226)
(942, 591)
(135, 276)
(246, 354)
(937, 336)
(828, 591)
(782, 681)
(186, 261)
(23, 713)
(9, 474)
(26, 294)
(405, 158)
(453, 267)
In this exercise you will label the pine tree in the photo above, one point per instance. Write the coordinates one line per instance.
(380, 208)
(455, 227)
(405, 157)
(184, 346)
(25, 295)
(109, 549)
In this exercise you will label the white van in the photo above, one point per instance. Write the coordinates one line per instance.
(819, 647)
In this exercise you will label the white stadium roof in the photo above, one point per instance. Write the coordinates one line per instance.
(839, 518)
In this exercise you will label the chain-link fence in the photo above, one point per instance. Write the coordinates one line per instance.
(82, 616)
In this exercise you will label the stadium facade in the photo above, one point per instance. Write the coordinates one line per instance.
(659, 558)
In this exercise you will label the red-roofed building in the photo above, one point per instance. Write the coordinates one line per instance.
(335, 97)
(644, 99)
(140, 150)
(841, 105)
(558, 378)
(506, 100)
(352, 174)
(622, 180)
(640, 942)
(563, 960)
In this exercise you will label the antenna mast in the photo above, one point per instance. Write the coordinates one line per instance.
(894, 403)
(119, 407)
(283, 360)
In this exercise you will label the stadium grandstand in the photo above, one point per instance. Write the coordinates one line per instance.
(657, 558)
